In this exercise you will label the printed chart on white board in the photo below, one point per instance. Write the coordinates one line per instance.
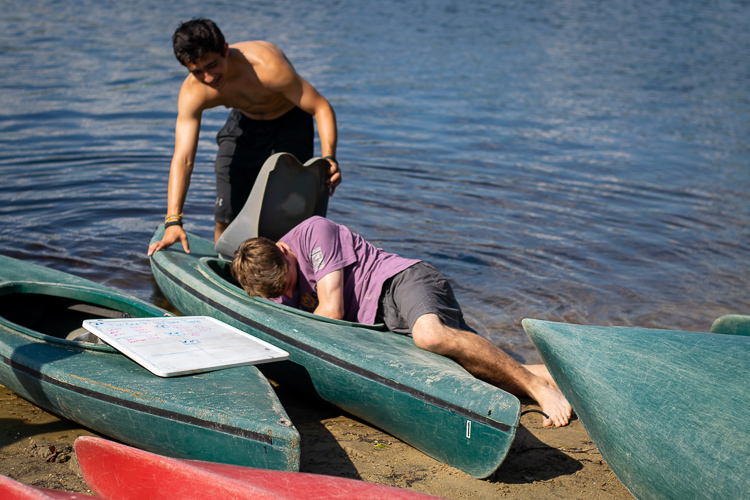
(184, 344)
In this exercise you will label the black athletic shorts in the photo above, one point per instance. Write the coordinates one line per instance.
(418, 290)
(245, 144)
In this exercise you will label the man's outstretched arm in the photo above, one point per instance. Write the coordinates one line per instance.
(187, 130)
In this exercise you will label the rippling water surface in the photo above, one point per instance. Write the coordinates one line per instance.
(580, 161)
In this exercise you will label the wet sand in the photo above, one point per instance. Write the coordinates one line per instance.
(36, 449)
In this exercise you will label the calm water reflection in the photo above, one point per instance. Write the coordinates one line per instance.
(582, 161)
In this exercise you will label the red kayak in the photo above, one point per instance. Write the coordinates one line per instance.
(13, 490)
(119, 472)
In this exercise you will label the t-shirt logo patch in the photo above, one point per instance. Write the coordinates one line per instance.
(316, 256)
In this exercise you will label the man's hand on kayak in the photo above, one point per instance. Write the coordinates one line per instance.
(334, 173)
(172, 235)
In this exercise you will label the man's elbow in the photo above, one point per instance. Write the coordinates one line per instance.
(330, 312)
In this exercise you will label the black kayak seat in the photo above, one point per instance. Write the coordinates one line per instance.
(285, 193)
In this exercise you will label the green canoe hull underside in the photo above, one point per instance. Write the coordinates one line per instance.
(230, 416)
(423, 399)
(665, 408)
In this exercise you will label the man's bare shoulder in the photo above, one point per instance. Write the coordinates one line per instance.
(269, 63)
(196, 97)
(259, 52)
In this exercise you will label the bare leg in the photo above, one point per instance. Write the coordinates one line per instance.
(219, 229)
(488, 362)
(542, 371)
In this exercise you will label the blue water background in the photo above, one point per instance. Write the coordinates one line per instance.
(579, 161)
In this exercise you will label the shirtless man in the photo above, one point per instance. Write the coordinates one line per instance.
(325, 268)
(272, 110)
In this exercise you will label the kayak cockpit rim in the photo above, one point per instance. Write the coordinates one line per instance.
(51, 312)
(217, 270)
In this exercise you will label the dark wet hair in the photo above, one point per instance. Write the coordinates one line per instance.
(195, 39)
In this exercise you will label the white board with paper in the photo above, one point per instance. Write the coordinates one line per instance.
(183, 344)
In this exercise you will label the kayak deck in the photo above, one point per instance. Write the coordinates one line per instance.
(116, 471)
(663, 407)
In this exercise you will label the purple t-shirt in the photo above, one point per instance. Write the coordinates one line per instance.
(322, 247)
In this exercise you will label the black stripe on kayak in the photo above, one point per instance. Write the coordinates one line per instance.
(337, 361)
(171, 415)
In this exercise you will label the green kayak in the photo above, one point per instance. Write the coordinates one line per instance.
(665, 408)
(230, 416)
(732, 324)
(423, 399)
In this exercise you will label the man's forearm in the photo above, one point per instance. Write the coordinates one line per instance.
(325, 118)
(179, 182)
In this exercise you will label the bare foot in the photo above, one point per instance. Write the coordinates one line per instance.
(554, 404)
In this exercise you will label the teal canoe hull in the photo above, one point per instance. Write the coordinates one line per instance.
(426, 400)
(665, 408)
(230, 416)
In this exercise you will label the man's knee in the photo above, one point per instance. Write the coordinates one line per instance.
(431, 334)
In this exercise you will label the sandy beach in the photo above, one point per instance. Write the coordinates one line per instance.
(36, 448)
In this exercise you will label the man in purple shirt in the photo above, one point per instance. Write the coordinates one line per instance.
(324, 268)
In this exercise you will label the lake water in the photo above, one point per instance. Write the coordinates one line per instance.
(580, 161)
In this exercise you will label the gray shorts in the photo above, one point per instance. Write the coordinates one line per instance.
(418, 290)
